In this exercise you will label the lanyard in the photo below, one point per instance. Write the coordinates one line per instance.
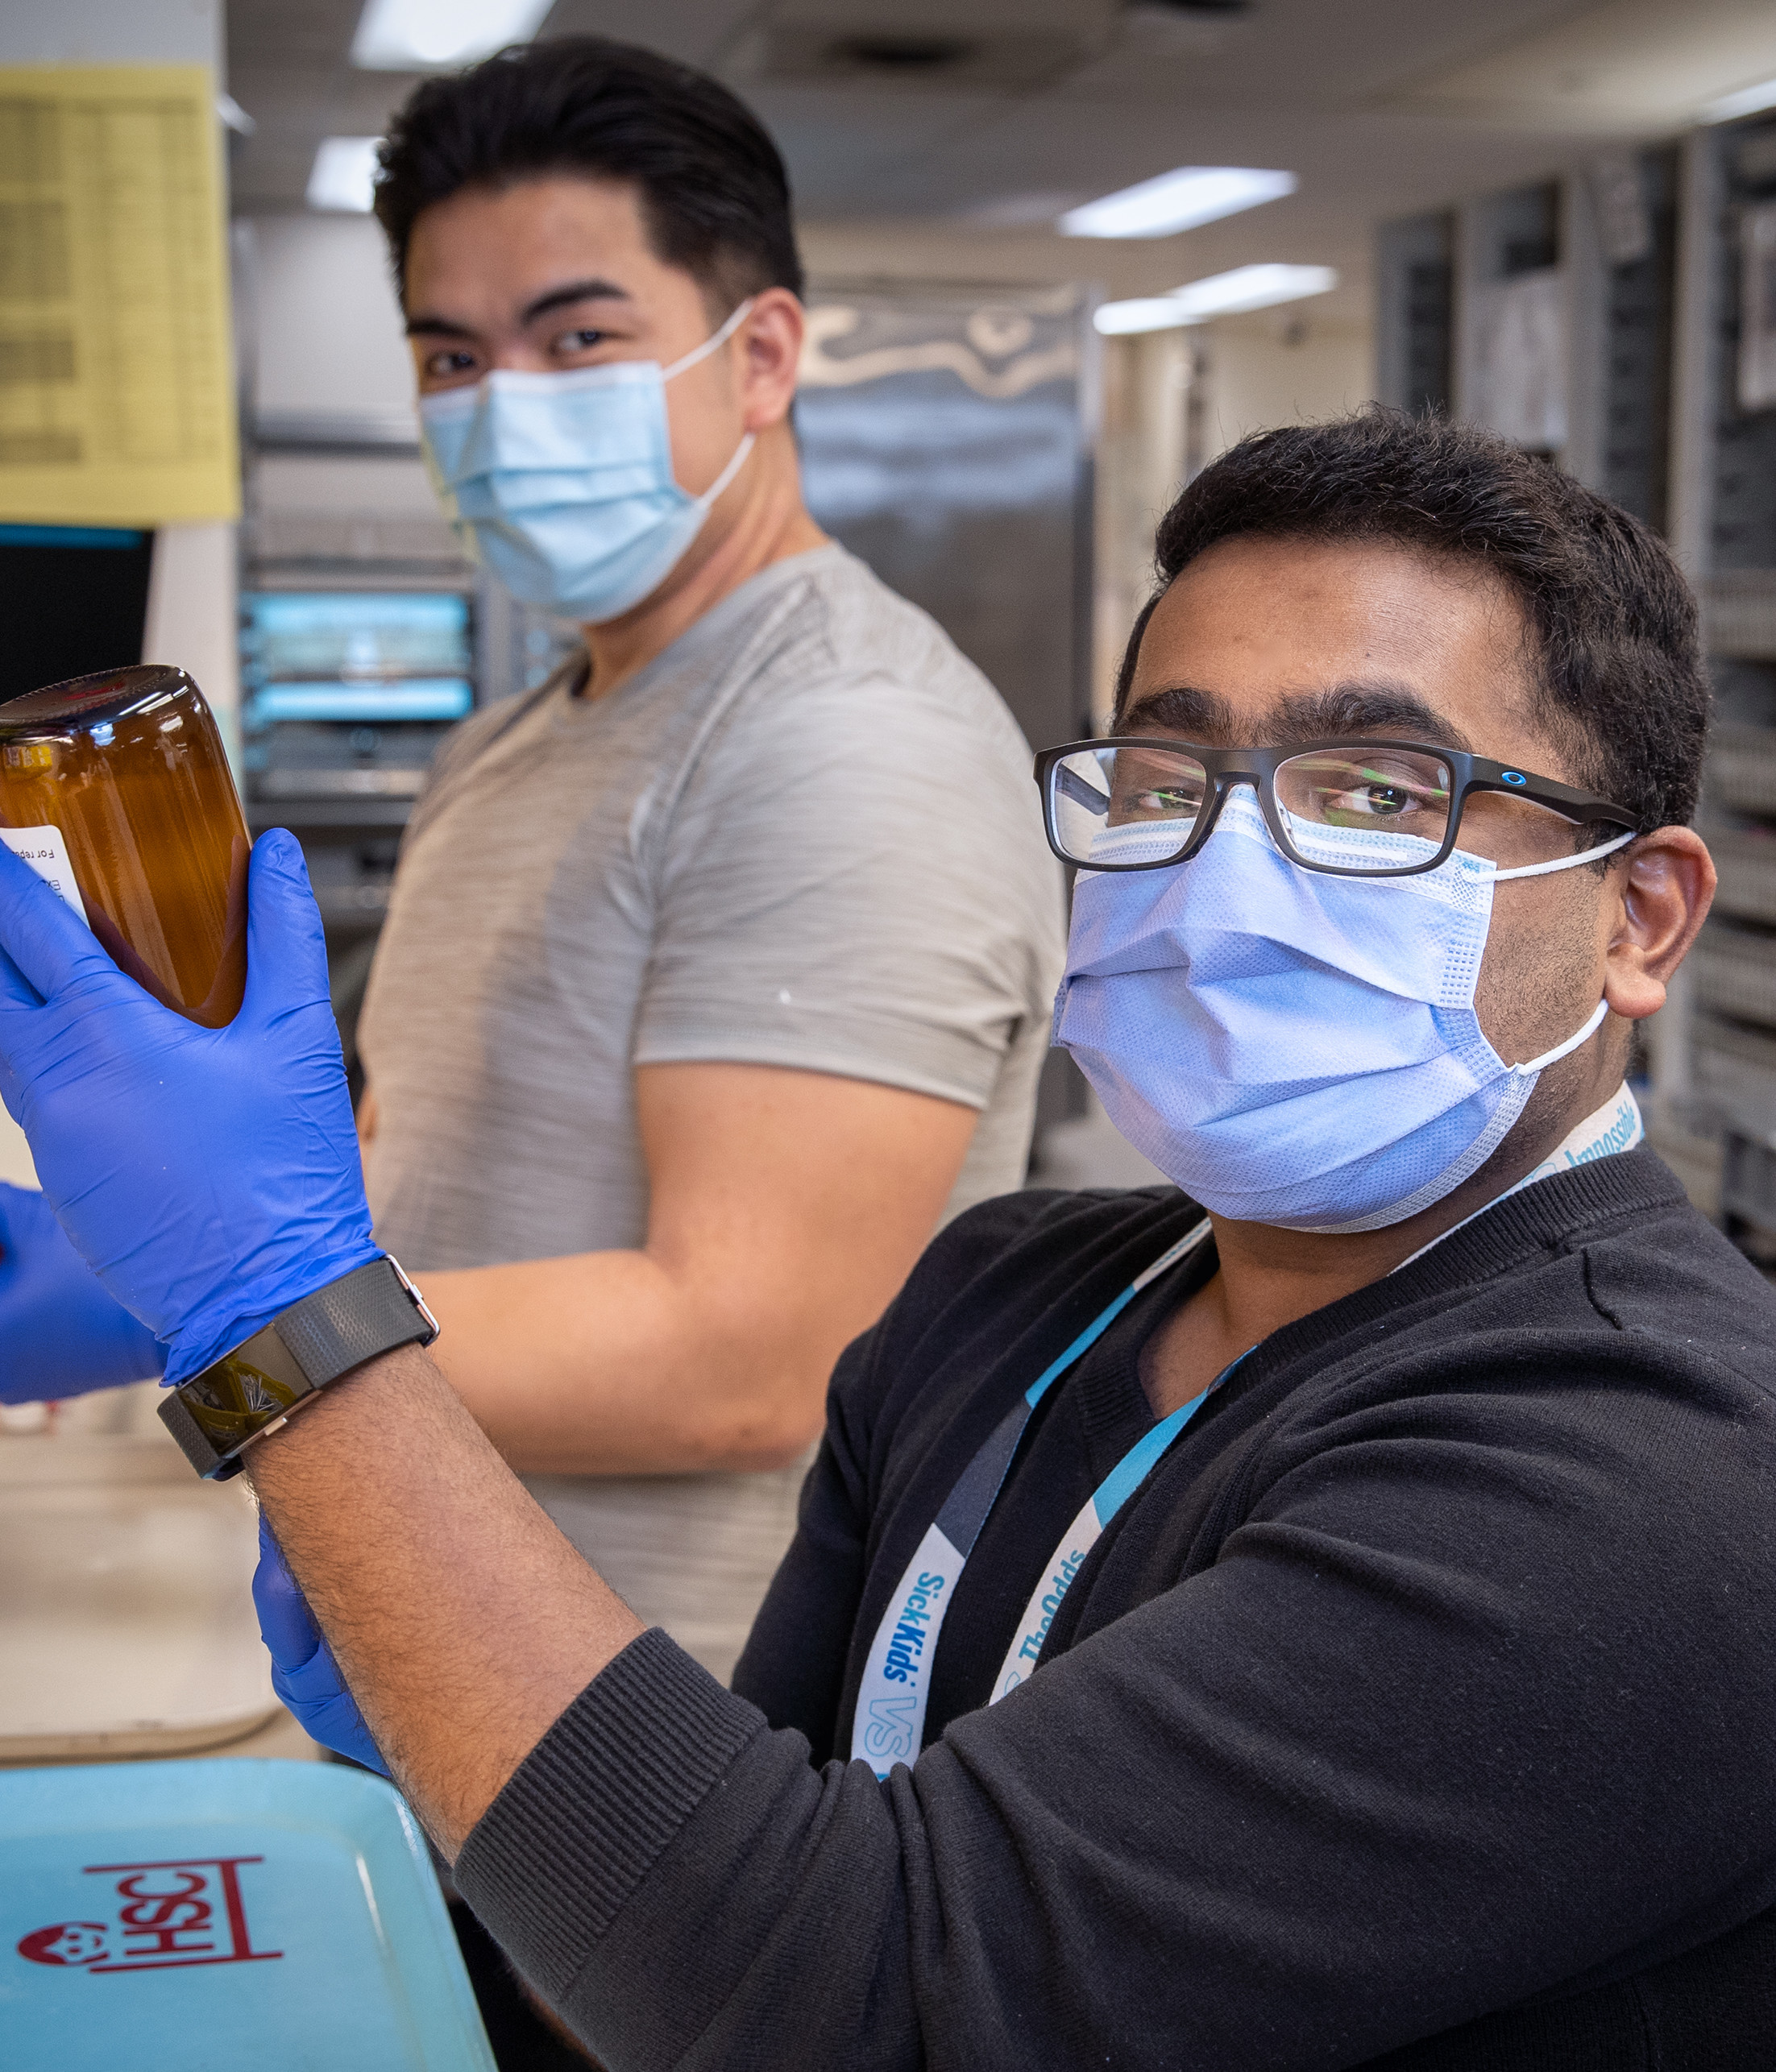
(1616, 1126)
(889, 1725)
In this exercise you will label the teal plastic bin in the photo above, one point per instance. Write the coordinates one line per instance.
(211, 1917)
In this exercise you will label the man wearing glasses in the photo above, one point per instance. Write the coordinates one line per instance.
(1315, 1616)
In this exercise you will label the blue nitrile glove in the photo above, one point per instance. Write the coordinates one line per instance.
(209, 1177)
(60, 1334)
(303, 1672)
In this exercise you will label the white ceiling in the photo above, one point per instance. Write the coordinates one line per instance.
(1382, 106)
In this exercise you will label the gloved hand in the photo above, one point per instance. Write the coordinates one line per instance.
(303, 1672)
(60, 1334)
(209, 1177)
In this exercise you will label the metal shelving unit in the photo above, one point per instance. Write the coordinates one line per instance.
(1573, 278)
(1624, 279)
(1626, 231)
(1719, 1050)
(1580, 270)
(1415, 311)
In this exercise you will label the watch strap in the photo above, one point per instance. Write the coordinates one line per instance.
(249, 1391)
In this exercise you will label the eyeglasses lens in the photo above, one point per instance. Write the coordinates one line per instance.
(1110, 808)
(1374, 809)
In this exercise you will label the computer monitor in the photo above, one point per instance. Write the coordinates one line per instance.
(73, 599)
(370, 657)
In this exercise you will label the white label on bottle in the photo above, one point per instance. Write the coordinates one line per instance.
(47, 853)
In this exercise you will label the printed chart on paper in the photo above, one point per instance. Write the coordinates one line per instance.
(116, 378)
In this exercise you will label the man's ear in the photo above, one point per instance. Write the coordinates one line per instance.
(1662, 898)
(768, 346)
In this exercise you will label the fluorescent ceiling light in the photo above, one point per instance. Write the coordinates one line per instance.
(425, 35)
(1176, 201)
(1219, 295)
(345, 174)
(1145, 312)
(1748, 101)
(1251, 288)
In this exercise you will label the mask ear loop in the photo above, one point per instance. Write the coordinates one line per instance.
(1594, 1023)
(711, 344)
(702, 352)
(728, 473)
(1596, 1020)
(1567, 862)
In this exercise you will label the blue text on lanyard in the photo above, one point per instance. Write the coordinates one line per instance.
(889, 1724)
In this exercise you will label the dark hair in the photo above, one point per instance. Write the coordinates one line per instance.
(713, 191)
(1619, 682)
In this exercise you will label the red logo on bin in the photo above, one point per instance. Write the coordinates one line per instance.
(166, 1916)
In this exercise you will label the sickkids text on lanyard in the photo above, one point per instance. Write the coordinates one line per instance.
(888, 1726)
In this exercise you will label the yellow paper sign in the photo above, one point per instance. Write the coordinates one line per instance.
(116, 366)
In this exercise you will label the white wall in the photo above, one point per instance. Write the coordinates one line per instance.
(329, 328)
(1281, 367)
(112, 32)
(1172, 401)
(193, 621)
(1142, 456)
(329, 344)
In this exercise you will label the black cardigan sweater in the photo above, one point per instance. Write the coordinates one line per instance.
(1420, 1707)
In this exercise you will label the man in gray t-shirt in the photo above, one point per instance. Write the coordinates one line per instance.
(803, 837)
(717, 970)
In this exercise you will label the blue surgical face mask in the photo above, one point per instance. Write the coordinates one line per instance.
(1291, 1048)
(562, 483)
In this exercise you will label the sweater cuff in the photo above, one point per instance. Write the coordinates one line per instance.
(587, 1813)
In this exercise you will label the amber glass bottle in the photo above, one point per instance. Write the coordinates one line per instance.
(120, 782)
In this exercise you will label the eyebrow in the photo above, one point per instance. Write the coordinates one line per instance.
(1181, 709)
(1338, 711)
(433, 326)
(1344, 709)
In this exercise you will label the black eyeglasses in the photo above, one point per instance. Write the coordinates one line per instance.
(1353, 809)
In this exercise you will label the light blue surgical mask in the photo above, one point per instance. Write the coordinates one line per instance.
(562, 483)
(1289, 1047)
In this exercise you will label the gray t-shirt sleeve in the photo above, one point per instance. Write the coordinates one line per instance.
(830, 893)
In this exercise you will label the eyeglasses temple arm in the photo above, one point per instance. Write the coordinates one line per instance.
(1081, 793)
(1570, 803)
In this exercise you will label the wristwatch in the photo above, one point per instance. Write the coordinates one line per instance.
(280, 1369)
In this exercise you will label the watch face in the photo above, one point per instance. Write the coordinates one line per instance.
(287, 1362)
(236, 1396)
